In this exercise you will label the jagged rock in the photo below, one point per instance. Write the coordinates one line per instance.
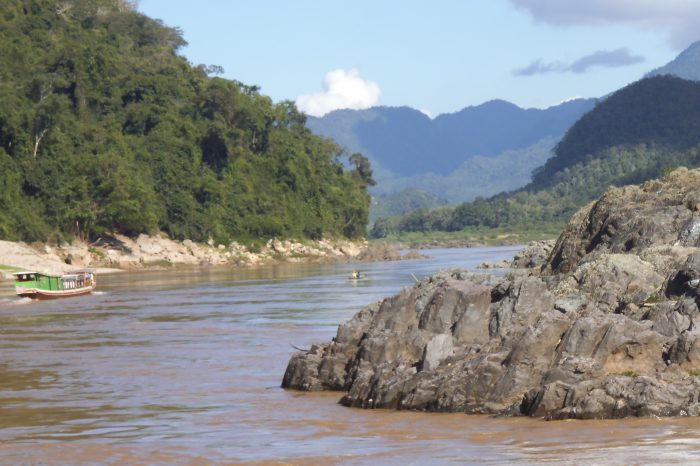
(437, 350)
(502, 264)
(690, 233)
(604, 326)
(630, 219)
(613, 281)
(686, 351)
(687, 279)
(667, 320)
(534, 255)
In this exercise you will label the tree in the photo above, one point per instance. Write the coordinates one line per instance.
(363, 168)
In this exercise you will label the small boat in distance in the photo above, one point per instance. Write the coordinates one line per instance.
(36, 285)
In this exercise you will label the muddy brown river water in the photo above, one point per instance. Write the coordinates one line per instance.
(183, 367)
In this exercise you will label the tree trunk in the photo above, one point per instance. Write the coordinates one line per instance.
(37, 140)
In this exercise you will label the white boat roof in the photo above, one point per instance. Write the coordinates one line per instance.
(72, 273)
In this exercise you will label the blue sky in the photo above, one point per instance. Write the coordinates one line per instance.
(438, 56)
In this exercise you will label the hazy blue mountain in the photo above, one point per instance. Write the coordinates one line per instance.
(406, 142)
(477, 176)
(686, 65)
(497, 126)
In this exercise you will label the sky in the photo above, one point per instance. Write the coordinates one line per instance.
(437, 56)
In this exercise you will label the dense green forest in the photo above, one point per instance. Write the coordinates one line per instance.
(636, 134)
(105, 128)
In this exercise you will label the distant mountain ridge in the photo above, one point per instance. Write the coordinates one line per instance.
(686, 65)
(406, 142)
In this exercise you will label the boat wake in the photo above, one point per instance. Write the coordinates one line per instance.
(15, 301)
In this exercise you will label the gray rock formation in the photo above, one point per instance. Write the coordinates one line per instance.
(534, 255)
(606, 326)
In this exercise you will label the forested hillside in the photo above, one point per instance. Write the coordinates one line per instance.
(103, 127)
(661, 111)
(636, 134)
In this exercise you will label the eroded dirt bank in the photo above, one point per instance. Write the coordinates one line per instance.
(122, 253)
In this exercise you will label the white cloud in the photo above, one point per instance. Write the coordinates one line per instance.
(539, 67)
(341, 89)
(677, 19)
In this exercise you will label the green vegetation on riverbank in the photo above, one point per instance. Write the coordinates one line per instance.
(103, 127)
(9, 268)
(477, 236)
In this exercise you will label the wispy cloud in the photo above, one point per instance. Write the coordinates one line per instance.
(678, 20)
(600, 58)
(341, 89)
(606, 58)
(539, 67)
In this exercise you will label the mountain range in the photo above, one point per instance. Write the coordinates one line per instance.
(407, 142)
(477, 152)
(455, 156)
(638, 133)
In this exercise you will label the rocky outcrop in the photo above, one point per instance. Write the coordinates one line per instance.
(534, 255)
(605, 326)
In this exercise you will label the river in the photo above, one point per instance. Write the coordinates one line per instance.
(183, 367)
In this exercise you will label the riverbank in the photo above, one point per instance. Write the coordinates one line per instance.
(478, 236)
(118, 253)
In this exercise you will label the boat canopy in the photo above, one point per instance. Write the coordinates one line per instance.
(25, 276)
(68, 274)
(31, 275)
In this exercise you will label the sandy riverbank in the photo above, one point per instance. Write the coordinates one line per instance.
(119, 253)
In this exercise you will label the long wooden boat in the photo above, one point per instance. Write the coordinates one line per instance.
(38, 285)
